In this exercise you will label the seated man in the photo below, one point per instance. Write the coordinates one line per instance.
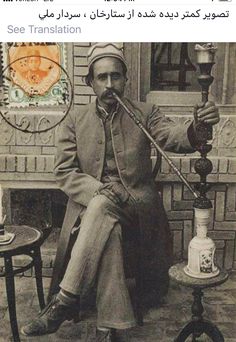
(103, 164)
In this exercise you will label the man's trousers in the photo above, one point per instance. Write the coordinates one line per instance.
(97, 258)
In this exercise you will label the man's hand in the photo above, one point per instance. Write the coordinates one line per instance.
(114, 191)
(207, 113)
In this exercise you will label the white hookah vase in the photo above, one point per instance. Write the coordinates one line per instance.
(201, 249)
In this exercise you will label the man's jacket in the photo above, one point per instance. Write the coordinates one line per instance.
(79, 166)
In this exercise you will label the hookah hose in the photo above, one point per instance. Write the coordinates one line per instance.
(159, 149)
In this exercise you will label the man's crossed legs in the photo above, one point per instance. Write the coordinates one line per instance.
(96, 258)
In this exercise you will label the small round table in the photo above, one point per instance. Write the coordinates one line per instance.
(27, 241)
(198, 325)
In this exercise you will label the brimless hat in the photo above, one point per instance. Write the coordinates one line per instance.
(100, 50)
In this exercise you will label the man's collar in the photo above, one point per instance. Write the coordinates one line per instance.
(103, 114)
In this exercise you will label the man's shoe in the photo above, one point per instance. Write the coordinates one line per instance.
(50, 319)
(105, 336)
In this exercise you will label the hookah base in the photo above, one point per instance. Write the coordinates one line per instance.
(202, 275)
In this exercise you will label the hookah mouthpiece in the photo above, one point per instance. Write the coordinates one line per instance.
(112, 92)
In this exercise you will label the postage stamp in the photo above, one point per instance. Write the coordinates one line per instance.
(32, 75)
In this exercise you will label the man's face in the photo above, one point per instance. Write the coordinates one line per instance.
(108, 73)
(34, 63)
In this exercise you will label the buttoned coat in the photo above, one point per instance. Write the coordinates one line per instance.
(79, 166)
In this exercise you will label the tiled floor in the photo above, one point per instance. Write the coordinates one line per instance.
(161, 323)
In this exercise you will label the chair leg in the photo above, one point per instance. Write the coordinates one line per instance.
(11, 299)
(38, 276)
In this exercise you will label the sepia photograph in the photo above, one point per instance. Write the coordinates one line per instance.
(118, 192)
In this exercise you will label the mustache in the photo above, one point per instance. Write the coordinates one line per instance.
(108, 93)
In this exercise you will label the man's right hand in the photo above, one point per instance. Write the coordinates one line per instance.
(207, 113)
(114, 191)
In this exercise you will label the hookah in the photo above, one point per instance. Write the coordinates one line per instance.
(201, 248)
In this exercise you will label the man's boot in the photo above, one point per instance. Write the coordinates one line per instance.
(50, 319)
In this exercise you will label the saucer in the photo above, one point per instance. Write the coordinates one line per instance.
(6, 239)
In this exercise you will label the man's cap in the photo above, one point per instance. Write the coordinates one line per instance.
(100, 50)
